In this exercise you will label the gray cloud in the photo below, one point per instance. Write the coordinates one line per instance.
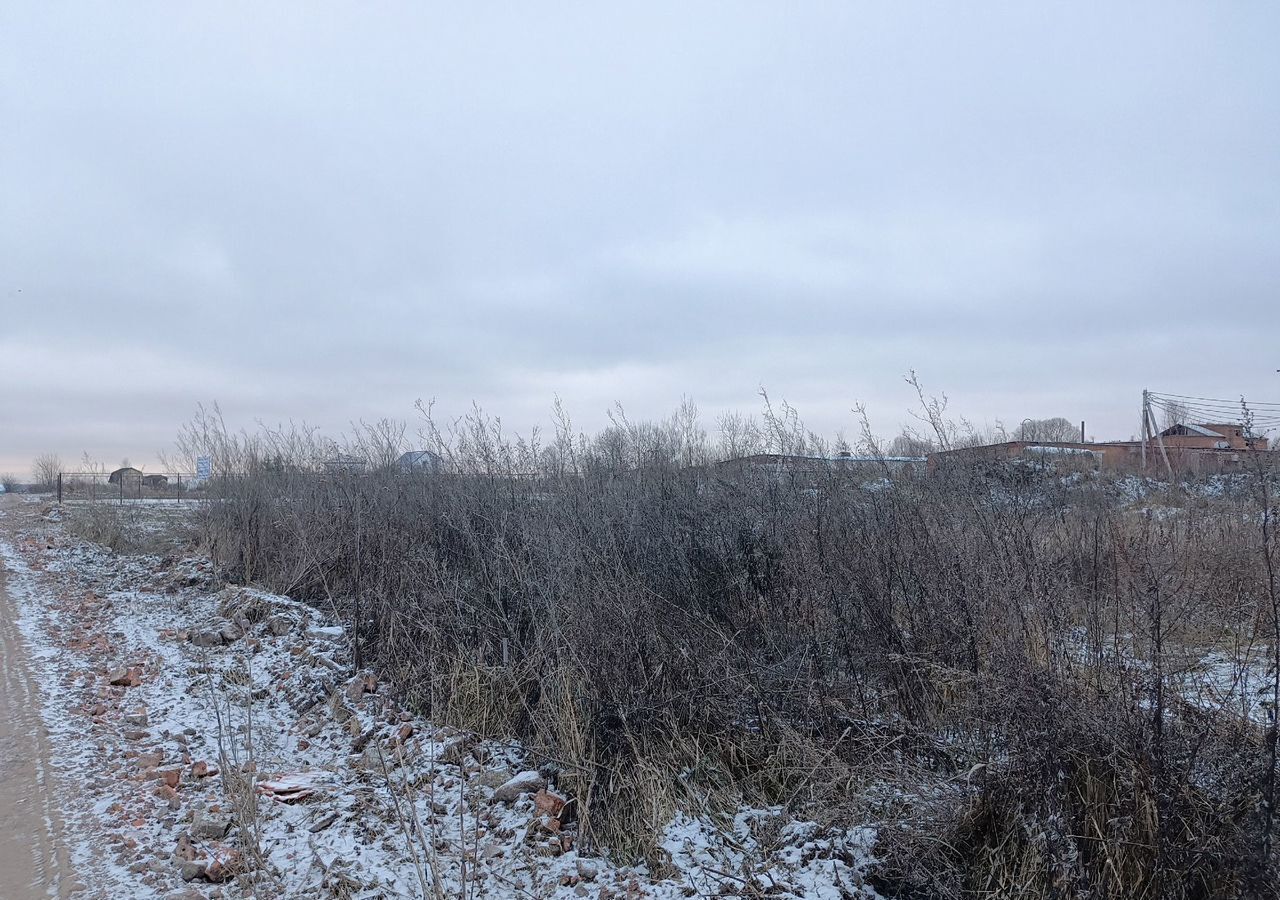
(325, 212)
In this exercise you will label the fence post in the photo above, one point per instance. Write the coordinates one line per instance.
(179, 488)
(122, 490)
(59, 487)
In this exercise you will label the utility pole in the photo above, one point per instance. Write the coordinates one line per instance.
(1149, 428)
(1163, 454)
(1145, 435)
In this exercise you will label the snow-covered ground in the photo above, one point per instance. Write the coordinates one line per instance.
(217, 743)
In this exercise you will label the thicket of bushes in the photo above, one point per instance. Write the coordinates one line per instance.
(1000, 658)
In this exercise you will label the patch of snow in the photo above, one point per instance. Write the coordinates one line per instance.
(352, 793)
(762, 852)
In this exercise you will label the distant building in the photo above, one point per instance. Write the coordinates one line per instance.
(1211, 437)
(1203, 448)
(128, 476)
(156, 481)
(812, 466)
(1041, 451)
(1190, 449)
(419, 461)
(344, 463)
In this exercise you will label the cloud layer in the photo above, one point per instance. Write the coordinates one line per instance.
(326, 211)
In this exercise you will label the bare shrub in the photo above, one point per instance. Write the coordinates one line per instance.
(105, 524)
(1019, 654)
(44, 471)
(131, 529)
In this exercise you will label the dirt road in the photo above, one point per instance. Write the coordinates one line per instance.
(33, 858)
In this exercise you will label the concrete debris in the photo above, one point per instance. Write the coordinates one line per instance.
(210, 826)
(528, 782)
(206, 638)
(125, 677)
(325, 632)
(295, 786)
(324, 823)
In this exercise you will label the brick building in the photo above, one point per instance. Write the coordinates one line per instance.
(1191, 449)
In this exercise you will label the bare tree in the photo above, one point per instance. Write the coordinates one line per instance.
(739, 436)
(1055, 429)
(948, 434)
(908, 444)
(690, 436)
(379, 444)
(1175, 414)
(45, 469)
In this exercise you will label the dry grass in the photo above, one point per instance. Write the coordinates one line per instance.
(1003, 649)
(137, 529)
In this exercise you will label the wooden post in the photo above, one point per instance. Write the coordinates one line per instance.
(1150, 423)
(1163, 455)
(1145, 433)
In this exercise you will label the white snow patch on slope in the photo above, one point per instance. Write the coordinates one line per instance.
(393, 805)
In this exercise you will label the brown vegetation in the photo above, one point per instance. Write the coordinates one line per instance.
(1003, 660)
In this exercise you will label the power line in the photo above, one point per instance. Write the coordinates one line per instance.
(1238, 411)
(1225, 416)
(1211, 416)
(1216, 411)
(1187, 408)
(1210, 401)
(1221, 414)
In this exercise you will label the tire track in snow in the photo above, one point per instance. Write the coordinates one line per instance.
(33, 855)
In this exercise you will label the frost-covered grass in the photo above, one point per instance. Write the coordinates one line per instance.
(397, 806)
(161, 528)
(924, 654)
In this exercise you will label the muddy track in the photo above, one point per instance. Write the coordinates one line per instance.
(33, 856)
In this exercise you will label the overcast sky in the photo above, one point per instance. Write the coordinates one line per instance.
(327, 211)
